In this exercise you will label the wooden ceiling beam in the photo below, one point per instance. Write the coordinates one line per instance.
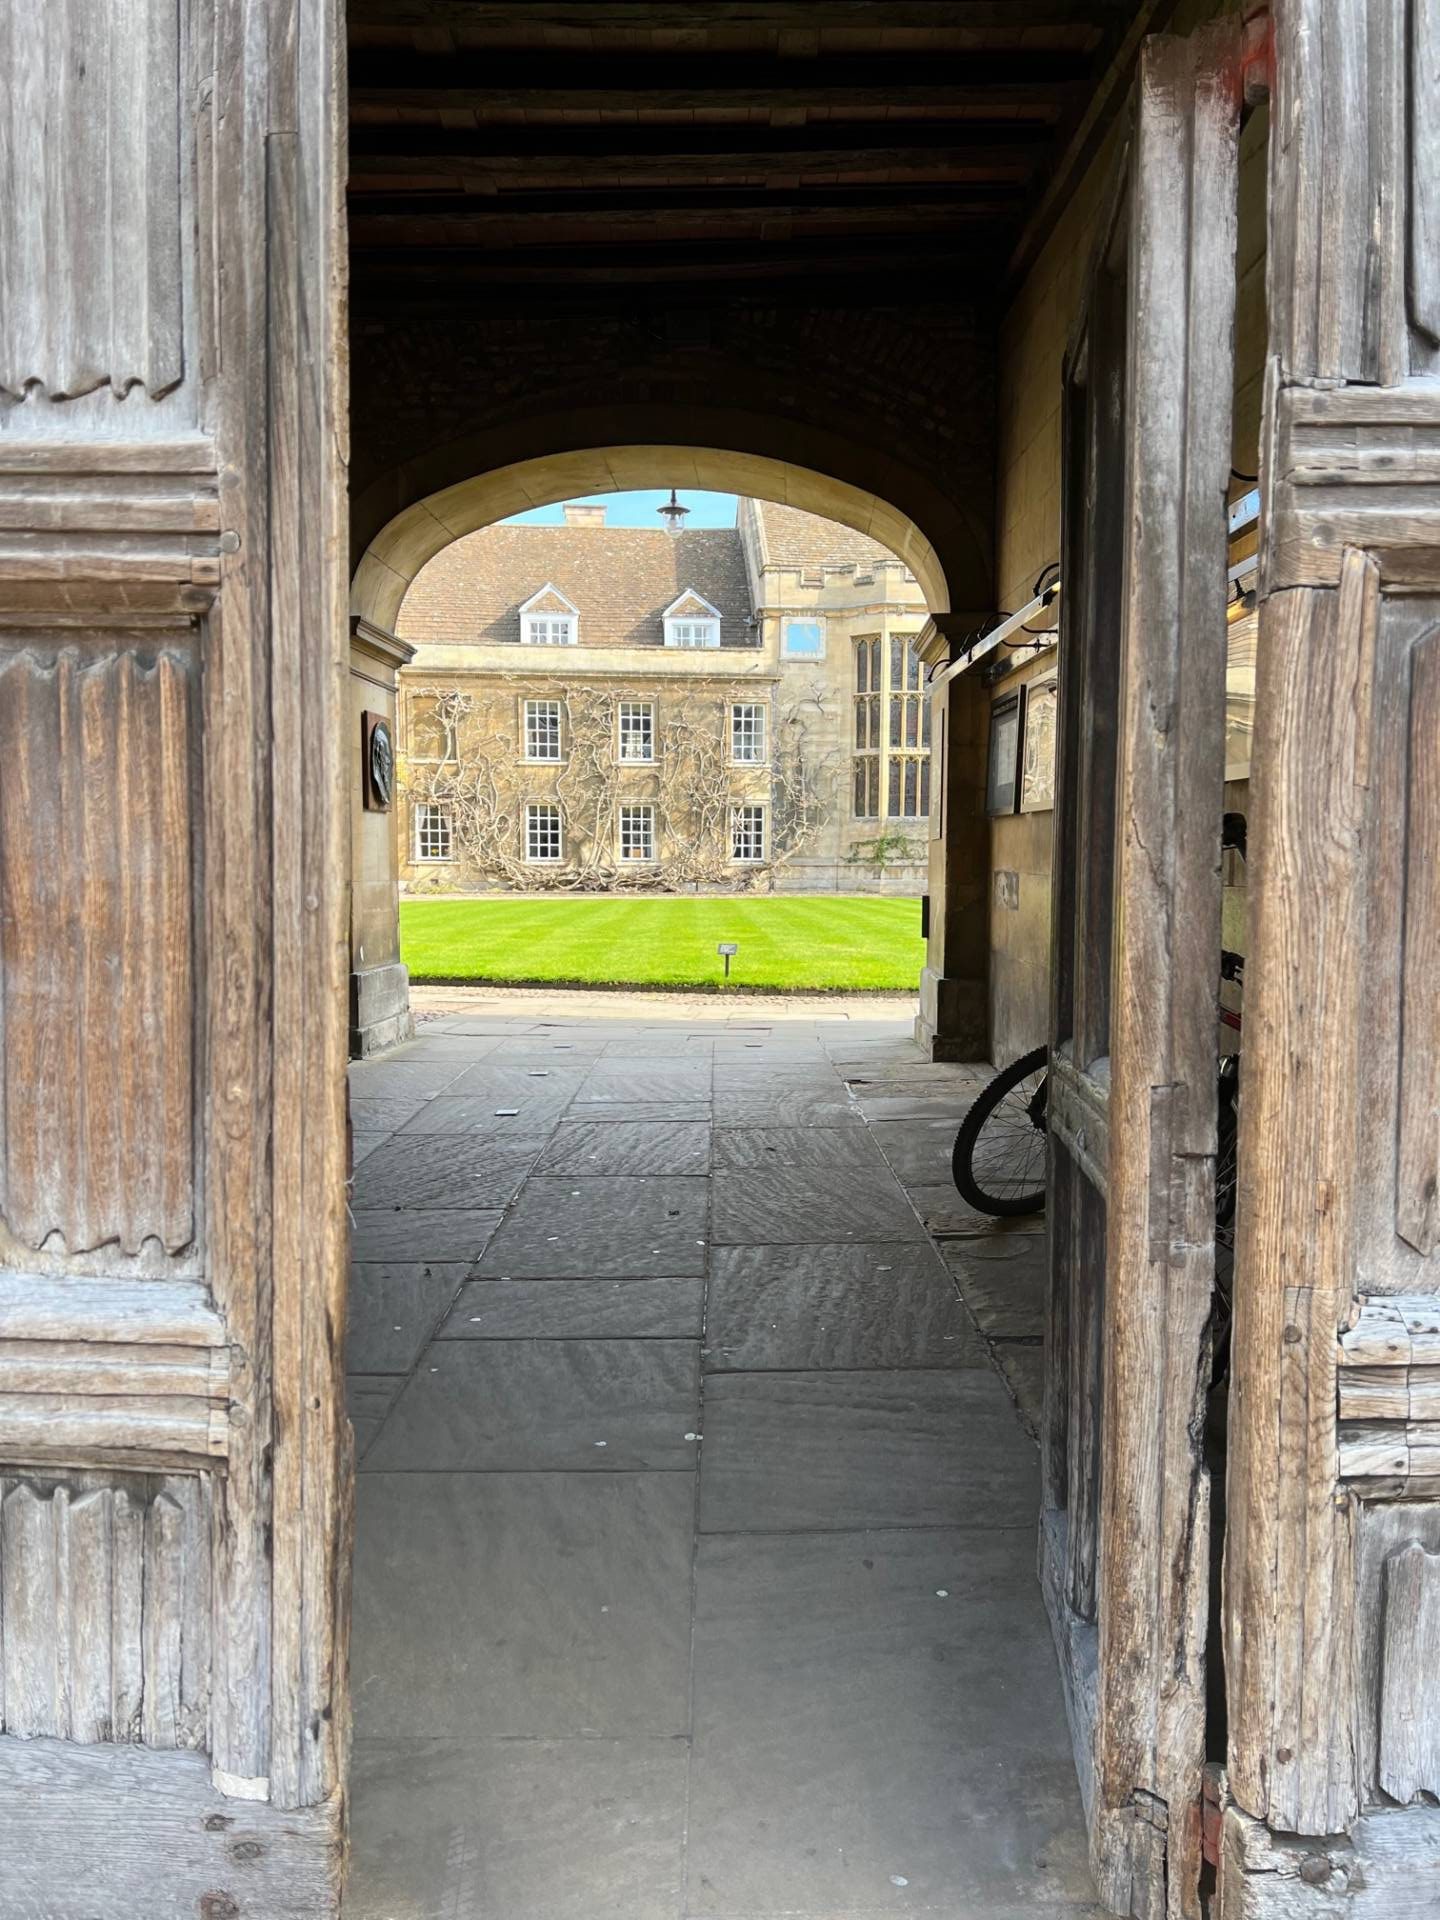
(661, 258)
(1078, 142)
(665, 83)
(664, 16)
(805, 284)
(875, 146)
(957, 197)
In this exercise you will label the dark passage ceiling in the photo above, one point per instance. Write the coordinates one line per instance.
(510, 148)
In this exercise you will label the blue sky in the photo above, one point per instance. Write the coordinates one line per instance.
(638, 509)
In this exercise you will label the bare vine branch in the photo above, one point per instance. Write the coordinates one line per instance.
(692, 785)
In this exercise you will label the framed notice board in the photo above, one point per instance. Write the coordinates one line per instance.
(1002, 780)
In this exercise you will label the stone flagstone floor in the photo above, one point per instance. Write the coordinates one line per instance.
(696, 1524)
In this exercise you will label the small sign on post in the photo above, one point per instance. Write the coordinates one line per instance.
(725, 949)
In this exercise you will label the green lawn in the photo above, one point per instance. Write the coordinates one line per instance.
(825, 942)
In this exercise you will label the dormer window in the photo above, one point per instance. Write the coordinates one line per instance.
(549, 629)
(691, 621)
(549, 619)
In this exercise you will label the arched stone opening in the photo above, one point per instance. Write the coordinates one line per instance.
(403, 520)
(408, 516)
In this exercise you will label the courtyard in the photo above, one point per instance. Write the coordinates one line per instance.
(695, 1518)
(826, 942)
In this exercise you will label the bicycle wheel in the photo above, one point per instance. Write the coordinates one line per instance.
(999, 1157)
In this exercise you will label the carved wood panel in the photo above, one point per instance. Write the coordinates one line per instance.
(172, 786)
(1423, 276)
(1337, 307)
(90, 198)
(1418, 1174)
(1393, 1600)
(1410, 1682)
(105, 1608)
(1389, 1394)
(97, 950)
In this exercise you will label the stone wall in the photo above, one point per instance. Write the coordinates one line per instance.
(897, 401)
(874, 601)
(379, 986)
(1034, 335)
(486, 785)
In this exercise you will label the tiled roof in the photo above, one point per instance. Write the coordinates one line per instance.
(621, 578)
(794, 538)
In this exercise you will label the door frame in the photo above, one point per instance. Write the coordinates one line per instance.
(1125, 1562)
(175, 1482)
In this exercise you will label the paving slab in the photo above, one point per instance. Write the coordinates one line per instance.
(616, 1228)
(593, 1034)
(445, 1046)
(661, 1044)
(862, 1449)
(426, 1170)
(506, 1113)
(576, 1309)
(737, 1149)
(779, 1105)
(435, 1233)
(517, 1829)
(368, 1399)
(933, 1077)
(393, 1308)
(773, 1055)
(896, 1032)
(594, 1147)
(911, 1106)
(362, 1145)
(1023, 1369)
(873, 1056)
(642, 1077)
(945, 1213)
(869, 1734)
(512, 1083)
(919, 1151)
(370, 1396)
(639, 1112)
(383, 1113)
(769, 1206)
(559, 1048)
(1002, 1278)
(523, 1617)
(754, 1073)
(392, 1076)
(522, 1605)
(496, 1025)
(591, 1406)
(827, 1307)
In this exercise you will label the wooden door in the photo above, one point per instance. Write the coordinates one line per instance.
(173, 1485)
(1333, 1530)
(1125, 1542)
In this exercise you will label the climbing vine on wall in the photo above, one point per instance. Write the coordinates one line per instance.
(479, 777)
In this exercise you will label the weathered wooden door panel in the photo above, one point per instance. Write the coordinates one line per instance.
(1333, 1530)
(1132, 1107)
(1160, 1269)
(172, 959)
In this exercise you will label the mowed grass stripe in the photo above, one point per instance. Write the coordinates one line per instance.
(834, 943)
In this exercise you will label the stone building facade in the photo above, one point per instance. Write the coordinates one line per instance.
(593, 706)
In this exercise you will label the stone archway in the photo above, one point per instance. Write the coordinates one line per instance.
(413, 512)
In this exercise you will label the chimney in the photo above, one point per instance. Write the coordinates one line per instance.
(578, 515)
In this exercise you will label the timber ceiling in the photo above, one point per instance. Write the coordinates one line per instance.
(603, 144)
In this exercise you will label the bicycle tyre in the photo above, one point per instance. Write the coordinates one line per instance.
(968, 1181)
